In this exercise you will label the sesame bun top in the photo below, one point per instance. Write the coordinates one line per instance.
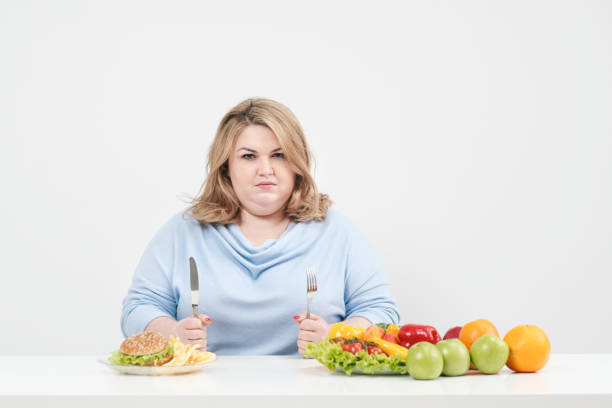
(144, 343)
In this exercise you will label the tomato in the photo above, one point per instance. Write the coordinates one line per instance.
(352, 347)
(374, 350)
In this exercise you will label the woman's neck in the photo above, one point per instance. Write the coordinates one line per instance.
(258, 229)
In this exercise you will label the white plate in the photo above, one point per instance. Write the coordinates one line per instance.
(152, 370)
(358, 371)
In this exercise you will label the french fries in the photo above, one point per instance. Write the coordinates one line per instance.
(186, 354)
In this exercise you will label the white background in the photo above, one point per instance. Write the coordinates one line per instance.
(470, 141)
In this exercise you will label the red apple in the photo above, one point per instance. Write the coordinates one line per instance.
(452, 333)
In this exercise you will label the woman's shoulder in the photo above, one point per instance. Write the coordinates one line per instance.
(180, 223)
(335, 217)
(336, 221)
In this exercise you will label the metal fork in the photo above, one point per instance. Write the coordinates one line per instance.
(311, 287)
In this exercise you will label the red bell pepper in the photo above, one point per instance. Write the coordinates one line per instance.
(410, 334)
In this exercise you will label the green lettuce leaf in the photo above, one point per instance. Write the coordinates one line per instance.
(333, 357)
(125, 359)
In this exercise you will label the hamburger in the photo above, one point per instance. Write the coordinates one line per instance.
(144, 349)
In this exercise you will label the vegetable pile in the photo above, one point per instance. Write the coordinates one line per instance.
(354, 355)
(371, 350)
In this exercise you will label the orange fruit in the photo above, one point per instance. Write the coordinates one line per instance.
(471, 331)
(529, 348)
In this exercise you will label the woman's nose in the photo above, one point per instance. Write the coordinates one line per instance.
(265, 168)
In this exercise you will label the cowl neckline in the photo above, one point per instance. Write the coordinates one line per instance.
(247, 245)
(257, 259)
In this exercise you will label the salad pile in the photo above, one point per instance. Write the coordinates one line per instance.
(336, 353)
(370, 350)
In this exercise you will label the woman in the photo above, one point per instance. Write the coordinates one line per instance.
(256, 226)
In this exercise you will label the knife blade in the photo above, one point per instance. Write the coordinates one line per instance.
(195, 286)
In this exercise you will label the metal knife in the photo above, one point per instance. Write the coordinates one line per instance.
(195, 286)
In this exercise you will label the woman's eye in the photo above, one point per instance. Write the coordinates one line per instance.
(248, 156)
(279, 155)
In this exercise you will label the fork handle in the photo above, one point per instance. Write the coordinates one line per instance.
(308, 309)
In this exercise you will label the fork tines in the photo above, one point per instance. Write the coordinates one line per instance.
(311, 280)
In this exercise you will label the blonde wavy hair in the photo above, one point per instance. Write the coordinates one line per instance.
(217, 203)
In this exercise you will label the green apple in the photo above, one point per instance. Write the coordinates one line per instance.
(455, 355)
(424, 361)
(489, 353)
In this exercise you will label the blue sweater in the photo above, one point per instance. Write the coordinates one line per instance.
(252, 293)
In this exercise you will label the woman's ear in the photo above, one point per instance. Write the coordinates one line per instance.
(225, 171)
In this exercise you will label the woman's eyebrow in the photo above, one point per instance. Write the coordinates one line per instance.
(255, 151)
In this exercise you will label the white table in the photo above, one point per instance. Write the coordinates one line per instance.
(583, 380)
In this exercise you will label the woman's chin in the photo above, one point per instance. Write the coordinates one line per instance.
(264, 209)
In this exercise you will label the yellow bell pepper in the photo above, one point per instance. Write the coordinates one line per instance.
(392, 329)
(346, 331)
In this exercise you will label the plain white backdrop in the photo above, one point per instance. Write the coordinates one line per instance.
(471, 142)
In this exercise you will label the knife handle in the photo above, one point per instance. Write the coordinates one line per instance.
(194, 302)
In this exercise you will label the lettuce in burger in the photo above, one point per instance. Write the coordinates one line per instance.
(144, 349)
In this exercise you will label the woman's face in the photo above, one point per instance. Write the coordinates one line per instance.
(260, 174)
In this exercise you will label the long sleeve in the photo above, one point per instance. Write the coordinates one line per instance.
(150, 295)
(367, 290)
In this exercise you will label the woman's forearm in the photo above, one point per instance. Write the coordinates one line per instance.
(358, 322)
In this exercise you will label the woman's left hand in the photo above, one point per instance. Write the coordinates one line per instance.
(312, 330)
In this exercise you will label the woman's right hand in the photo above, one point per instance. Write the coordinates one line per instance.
(191, 330)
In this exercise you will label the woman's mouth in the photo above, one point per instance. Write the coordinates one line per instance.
(266, 185)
